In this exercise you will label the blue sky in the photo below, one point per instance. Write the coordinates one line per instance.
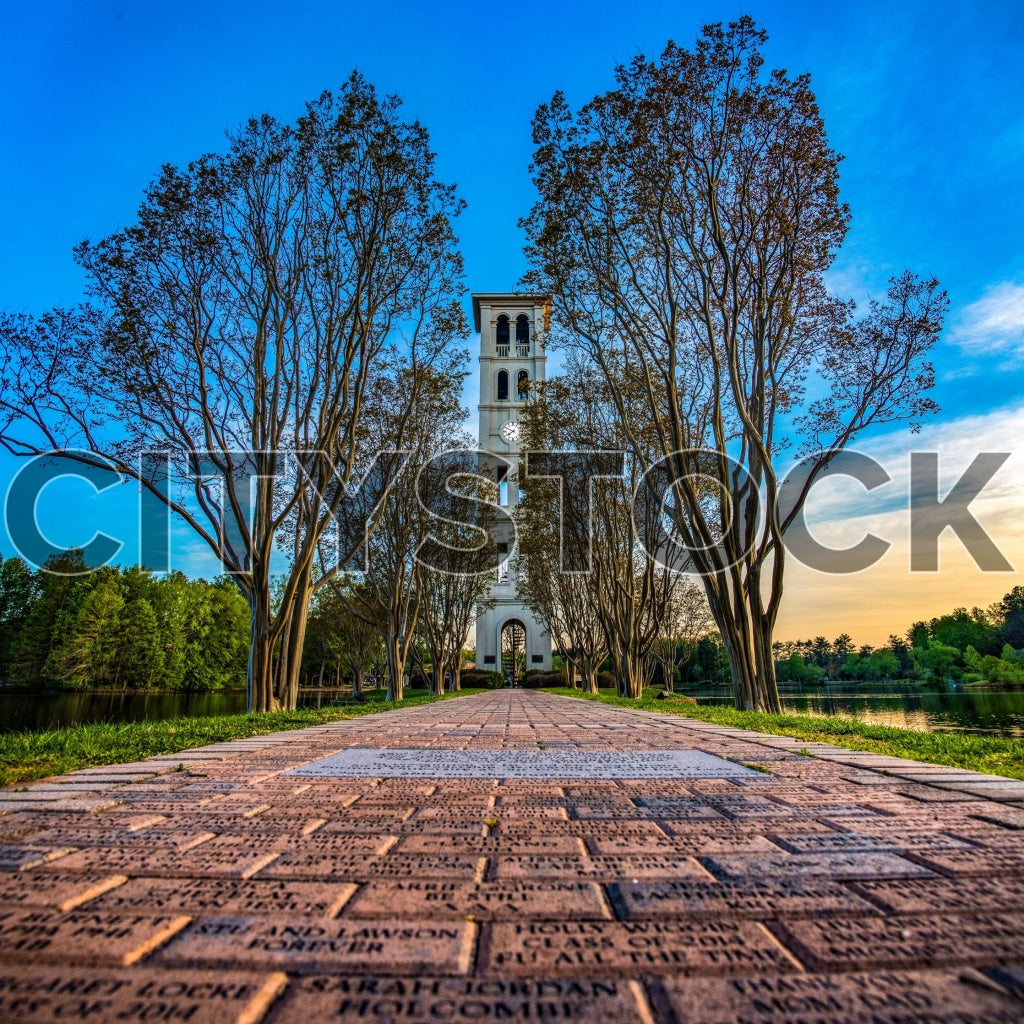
(923, 100)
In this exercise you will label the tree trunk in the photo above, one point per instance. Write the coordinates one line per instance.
(396, 667)
(764, 661)
(571, 668)
(666, 662)
(260, 694)
(293, 636)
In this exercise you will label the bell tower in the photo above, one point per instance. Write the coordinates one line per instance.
(513, 328)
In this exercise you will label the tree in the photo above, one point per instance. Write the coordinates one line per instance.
(338, 639)
(936, 661)
(614, 538)
(961, 628)
(917, 634)
(19, 590)
(563, 601)
(882, 664)
(684, 226)
(429, 418)
(87, 653)
(238, 322)
(455, 587)
(61, 590)
(685, 621)
(139, 654)
(901, 651)
(1012, 610)
(842, 645)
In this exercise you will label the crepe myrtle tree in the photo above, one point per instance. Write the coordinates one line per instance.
(685, 223)
(426, 423)
(553, 532)
(592, 538)
(238, 320)
(457, 564)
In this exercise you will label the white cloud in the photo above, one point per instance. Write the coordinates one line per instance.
(887, 597)
(956, 441)
(994, 324)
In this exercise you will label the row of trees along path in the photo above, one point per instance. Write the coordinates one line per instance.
(285, 295)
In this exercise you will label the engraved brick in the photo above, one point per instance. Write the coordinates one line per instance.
(749, 899)
(639, 866)
(227, 896)
(14, 857)
(632, 844)
(905, 941)
(368, 1000)
(930, 895)
(611, 810)
(698, 843)
(165, 834)
(918, 997)
(837, 865)
(42, 994)
(482, 901)
(326, 843)
(370, 824)
(367, 869)
(855, 841)
(534, 843)
(309, 945)
(63, 892)
(563, 948)
(84, 936)
(974, 862)
(238, 862)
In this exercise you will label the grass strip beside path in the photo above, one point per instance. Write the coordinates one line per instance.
(34, 755)
(995, 755)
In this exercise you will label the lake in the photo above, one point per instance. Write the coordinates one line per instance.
(972, 711)
(982, 712)
(51, 710)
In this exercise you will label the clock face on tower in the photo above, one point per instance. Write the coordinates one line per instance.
(510, 431)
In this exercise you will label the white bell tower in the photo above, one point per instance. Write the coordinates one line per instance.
(513, 328)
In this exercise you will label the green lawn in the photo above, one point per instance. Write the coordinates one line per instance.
(995, 755)
(34, 755)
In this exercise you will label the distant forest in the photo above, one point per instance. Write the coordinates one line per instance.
(127, 629)
(983, 644)
(119, 628)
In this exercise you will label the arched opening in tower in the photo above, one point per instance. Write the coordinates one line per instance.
(513, 651)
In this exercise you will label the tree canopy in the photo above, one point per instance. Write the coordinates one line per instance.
(235, 328)
(685, 223)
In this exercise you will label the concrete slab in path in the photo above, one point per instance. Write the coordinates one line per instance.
(513, 856)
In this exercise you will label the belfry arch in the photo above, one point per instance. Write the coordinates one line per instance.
(513, 651)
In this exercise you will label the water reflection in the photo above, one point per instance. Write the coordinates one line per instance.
(38, 711)
(982, 712)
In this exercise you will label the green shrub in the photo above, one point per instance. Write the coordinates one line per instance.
(473, 678)
(605, 681)
(537, 678)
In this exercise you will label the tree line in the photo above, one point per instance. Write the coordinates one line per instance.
(584, 557)
(281, 313)
(984, 644)
(119, 629)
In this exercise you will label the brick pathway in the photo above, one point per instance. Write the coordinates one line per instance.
(274, 879)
